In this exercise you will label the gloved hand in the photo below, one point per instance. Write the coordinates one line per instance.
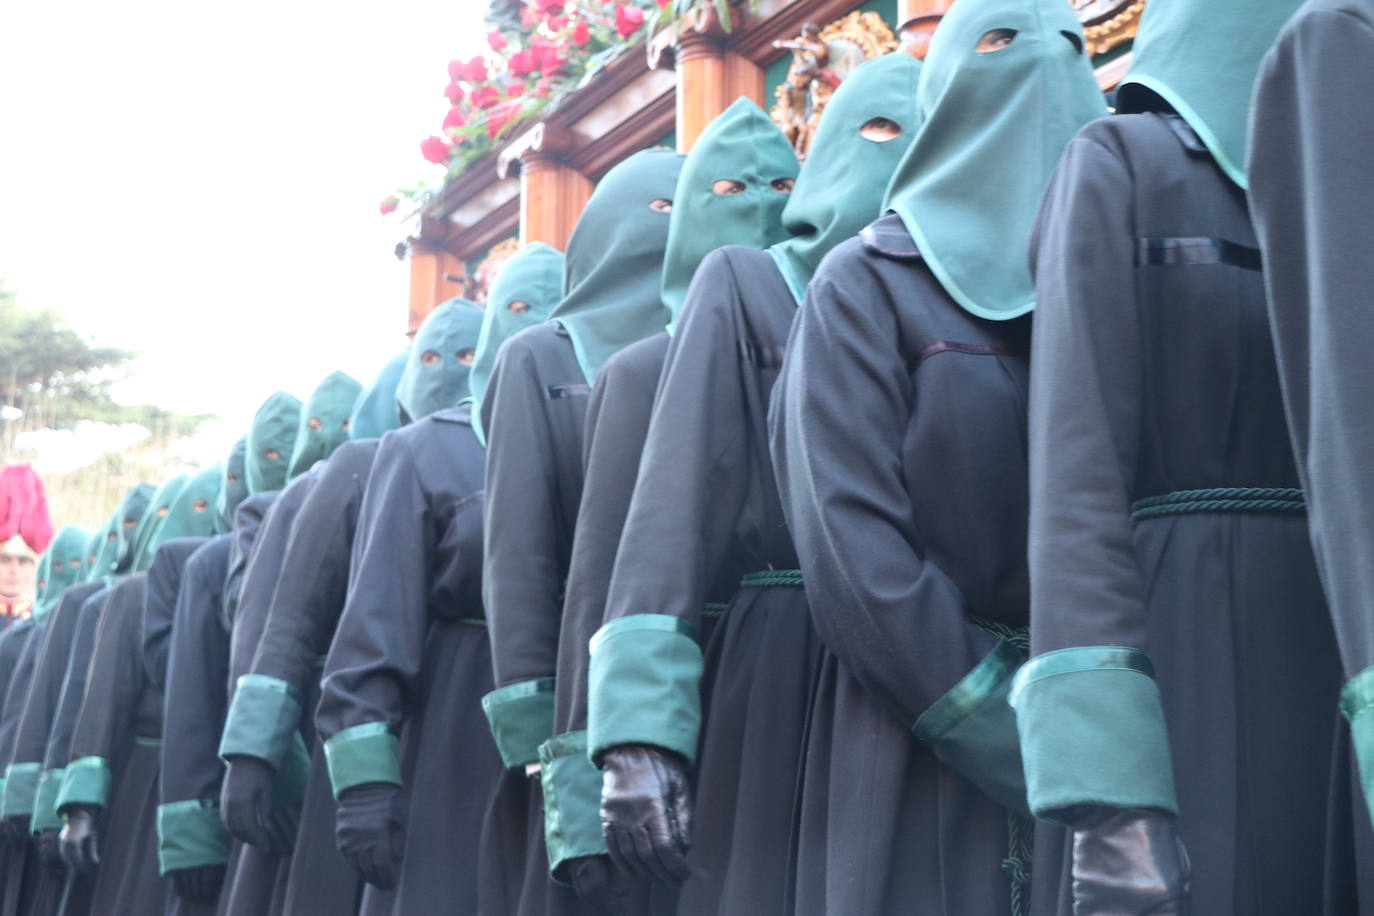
(200, 884)
(50, 851)
(80, 839)
(1129, 863)
(246, 806)
(370, 832)
(646, 812)
(16, 828)
(599, 884)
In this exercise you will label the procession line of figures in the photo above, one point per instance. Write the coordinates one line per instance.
(755, 557)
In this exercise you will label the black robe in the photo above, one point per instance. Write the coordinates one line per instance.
(411, 651)
(1154, 383)
(534, 414)
(900, 443)
(705, 512)
(300, 625)
(25, 886)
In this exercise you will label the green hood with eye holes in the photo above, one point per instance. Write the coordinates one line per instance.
(63, 563)
(115, 554)
(612, 281)
(840, 188)
(993, 126)
(329, 407)
(146, 537)
(234, 489)
(1202, 58)
(192, 513)
(374, 410)
(273, 430)
(744, 145)
(100, 549)
(534, 276)
(424, 389)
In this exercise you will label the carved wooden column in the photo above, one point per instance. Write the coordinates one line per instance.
(709, 75)
(552, 194)
(918, 20)
(436, 274)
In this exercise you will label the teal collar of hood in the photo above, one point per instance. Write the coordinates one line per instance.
(436, 373)
(271, 440)
(324, 422)
(374, 411)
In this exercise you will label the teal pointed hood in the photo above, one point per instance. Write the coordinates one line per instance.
(271, 440)
(840, 188)
(374, 410)
(324, 422)
(159, 508)
(435, 376)
(192, 513)
(234, 489)
(731, 191)
(117, 537)
(100, 550)
(993, 126)
(526, 290)
(614, 262)
(1202, 60)
(62, 567)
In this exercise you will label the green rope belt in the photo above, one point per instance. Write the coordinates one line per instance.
(713, 609)
(1219, 499)
(1017, 636)
(772, 578)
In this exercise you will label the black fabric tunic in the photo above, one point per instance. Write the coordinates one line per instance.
(705, 510)
(25, 886)
(1154, 374)
(412, 651)
(300, 625)
(534, 415)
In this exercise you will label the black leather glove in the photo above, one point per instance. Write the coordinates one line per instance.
(200, 884)
(16, 827)
(646, 812)
(370, 832)
(246, 806)
(80, 839)
(599, 884)
(1129, 863)
(50, 851)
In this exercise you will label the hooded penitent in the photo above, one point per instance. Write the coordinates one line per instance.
(614, 268)
(271, 439)
(324, 422)
(153, 519)
(867, 125)
(234, 488)
(731, 191)
(993, 126)
(436, 376)
(62, 566)
(526, 290)
(374, 410)
(117, 538)
(1206, 78)
(192, 513)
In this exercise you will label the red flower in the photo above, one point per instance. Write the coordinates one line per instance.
(628, 19)
(389, 205)
(436, 150)
(515, 89)
(500, 116)
(472, 71)
(546, 56)
(528, 17)
(663, 4)
(485, 96)
(454, 118)
(549, 8)
(521, 63)
(454, 93)
(496, 40)
(581, 33)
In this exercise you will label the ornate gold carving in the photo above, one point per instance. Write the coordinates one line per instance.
(478, 285)
(821, 59)
(1108, 23)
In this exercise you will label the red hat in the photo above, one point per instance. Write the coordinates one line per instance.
(25, 526)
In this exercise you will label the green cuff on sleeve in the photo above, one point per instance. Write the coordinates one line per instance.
(45, 815)
(86, 782)
(21, 782)
(973, 729)
(263, 717)
(521, 719)
(1092, 732)
(572, 800)
(1357, 704)
(190, 834)
(361, 754)
(644, 685)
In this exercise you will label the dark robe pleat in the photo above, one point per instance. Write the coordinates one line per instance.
(24, 878)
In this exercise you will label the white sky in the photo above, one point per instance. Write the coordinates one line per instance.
(200, 182)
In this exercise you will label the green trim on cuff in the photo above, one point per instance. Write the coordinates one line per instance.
(1092, 732)
(45, 816)
(973, 729)
(1357, 705)
(362, 754)
(21, 782)
(644, 685)
(521, 719)
(86, 782)
(190, 834)
(572, 801)
(263, 717)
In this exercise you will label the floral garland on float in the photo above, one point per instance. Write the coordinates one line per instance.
(539, 52)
